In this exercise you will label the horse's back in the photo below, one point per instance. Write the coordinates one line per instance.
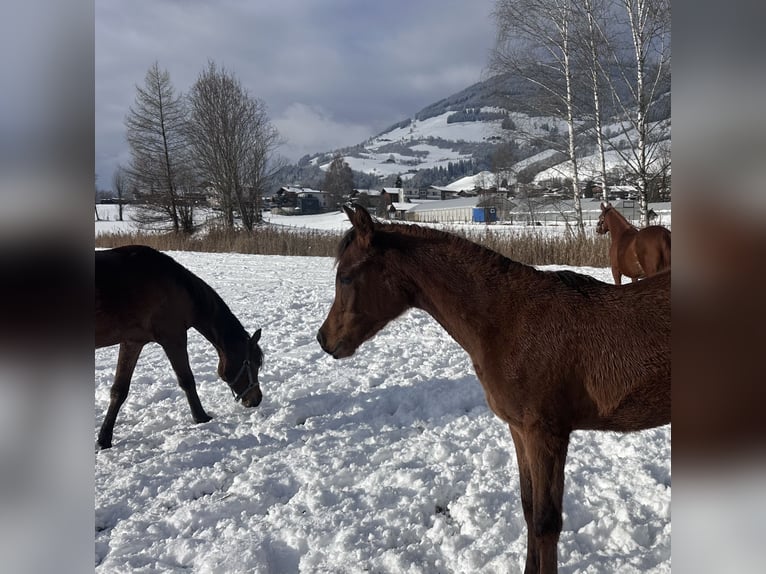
(134, 285)
(632, 386)
(623, 255)
(132, 270)
(653, 249)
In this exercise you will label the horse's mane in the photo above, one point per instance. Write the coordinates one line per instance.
(396, 235)
(612, 209)
(207, 301)
(577, 281)
(211, 305)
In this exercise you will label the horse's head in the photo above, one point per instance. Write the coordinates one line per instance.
(367, 295)
(239, 368)
(601, 225)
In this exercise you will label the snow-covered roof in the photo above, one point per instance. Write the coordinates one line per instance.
(295, 189)
(483, 179)
(369, 192)
(398, 206)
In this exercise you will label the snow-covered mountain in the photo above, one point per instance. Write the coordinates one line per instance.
(459, 135)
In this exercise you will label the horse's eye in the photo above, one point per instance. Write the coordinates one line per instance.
(345, 280)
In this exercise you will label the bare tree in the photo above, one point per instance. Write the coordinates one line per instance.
(155, 133)
(643, 64)
(119, 185)
(650, 32)
(338, 181)
(95, 205)
(233, 143)
(593, 35)
(536, 41)
(502, 160)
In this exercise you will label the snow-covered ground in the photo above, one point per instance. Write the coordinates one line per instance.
(338, 222)
(389, 461)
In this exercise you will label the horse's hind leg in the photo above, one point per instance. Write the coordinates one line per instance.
(179, 359)
(126, 363)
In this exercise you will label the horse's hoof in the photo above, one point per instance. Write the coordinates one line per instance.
(203, 419)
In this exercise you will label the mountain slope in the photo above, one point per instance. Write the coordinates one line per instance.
(468, 132)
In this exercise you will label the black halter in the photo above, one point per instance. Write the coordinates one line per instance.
(250, 387)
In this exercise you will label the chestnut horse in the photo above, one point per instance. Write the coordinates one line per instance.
(537, 341)
(145, 296)
(635, 253)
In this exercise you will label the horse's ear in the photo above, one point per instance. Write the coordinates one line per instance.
(256, 336)
(605, 205)
(361, 221)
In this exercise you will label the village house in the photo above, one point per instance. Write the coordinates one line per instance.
(296, 199)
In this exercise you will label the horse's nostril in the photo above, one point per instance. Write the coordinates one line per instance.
(254, 402)
(320, 339)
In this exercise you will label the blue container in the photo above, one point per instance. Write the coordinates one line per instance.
(484, 214)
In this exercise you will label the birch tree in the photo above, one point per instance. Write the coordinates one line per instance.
(593, 37)
(535, 40)
(642, 60)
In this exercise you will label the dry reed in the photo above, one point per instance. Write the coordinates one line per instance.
(527, 247)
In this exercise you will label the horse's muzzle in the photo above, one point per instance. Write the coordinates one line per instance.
(321, 340)
(339, 350)
(253, 399)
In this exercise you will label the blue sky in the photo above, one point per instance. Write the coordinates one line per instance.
(331, 73)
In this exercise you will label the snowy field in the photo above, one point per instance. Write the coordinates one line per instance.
(338, 222)
(389, 461)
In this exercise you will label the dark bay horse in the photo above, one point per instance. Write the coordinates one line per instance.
(145, 296)
(538, 342)
(635, 253)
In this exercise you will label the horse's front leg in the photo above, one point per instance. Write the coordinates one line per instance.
(126, 363)
(179, 359)
(525, 486)
(546, 454)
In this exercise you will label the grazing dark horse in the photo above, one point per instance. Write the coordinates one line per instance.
(145, 296)
(635, 253)
(538, 342)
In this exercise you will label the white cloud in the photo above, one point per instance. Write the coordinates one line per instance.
(332, 74)
(310, 129)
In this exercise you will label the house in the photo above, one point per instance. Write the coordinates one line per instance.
(445, 192)
(296, 199)
(386, 203)
(395, 193)
(374, 200)
(399, 210)
(432, 193)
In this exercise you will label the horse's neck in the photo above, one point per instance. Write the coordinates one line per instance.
(215, 321)
(463, 291)
(618, 224)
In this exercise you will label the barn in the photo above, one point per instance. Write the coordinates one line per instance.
(462, 209)
(447, 211)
